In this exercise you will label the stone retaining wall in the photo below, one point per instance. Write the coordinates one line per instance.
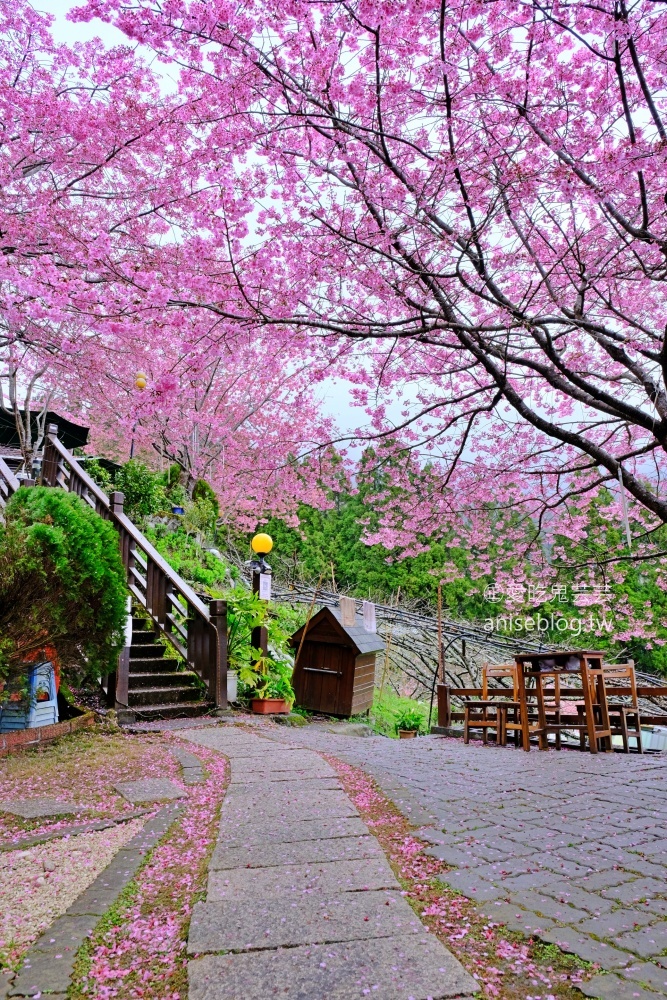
(22, 739)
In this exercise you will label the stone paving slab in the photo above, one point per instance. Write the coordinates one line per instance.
(49, 962)
(571, 940)
(295, 803)
(40, 807)
(294, 774)
(647, 942)
(150, 790)
(608, 925)
(614, 988)
(340, 876)
(275, 922)
(254, 832)
(255, 792)
(579, 831)
(70, 831)
(284, 912)
(646, 972)
(43, 971)
(300, 852)
(392, 969)
(65, 933)
(635, 891)
(515, 919)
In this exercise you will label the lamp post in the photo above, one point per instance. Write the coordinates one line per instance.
(140, 383)
(261, 545)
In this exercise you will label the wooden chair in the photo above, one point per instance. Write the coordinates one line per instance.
(625, 719)
(513, 723)
(552, 708)
(620, 714)
(490, 713)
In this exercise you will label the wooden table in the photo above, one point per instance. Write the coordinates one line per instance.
(594, 694)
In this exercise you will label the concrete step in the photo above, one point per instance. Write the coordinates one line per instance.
(162, 696)
(152, 679)
(152, 713)
(148, 664)
(140, 625)
(142, 650)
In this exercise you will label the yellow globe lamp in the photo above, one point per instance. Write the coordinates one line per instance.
(262, 544)
(140, 381)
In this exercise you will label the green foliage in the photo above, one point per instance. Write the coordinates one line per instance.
(389, 707)
(334, 537)
(199, 520)
(267, 677)
(62, 583)
(259, 676)
(144, 492)
(201, 568)
(151, 494)
(172, 477)
(411, 717)
(331, 539)
(101, 475)
(202, 491)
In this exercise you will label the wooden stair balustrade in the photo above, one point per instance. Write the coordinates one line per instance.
(197, 631)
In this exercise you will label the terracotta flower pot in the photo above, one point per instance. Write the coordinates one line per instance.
(407, 734)
(269, 706)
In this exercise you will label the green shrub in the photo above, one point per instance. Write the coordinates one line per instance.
(143, 489)
(196, 565)
(199, 520)
(62, 583)
(202, 491)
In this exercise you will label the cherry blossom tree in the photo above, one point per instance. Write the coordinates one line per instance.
(102, 209)
(470, 197)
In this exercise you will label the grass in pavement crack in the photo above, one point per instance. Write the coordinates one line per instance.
(139, 947)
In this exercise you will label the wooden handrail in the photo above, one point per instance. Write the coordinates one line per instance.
(197, 632)
(8, 484)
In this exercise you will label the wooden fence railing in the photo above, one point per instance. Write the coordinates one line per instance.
(8, 485)
(196, 630)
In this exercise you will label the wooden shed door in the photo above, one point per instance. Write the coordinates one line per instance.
(323, 667)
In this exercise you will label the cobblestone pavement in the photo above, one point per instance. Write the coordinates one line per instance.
(567, 846)
(301, 901)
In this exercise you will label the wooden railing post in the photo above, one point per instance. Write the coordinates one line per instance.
(51, 457)
(122, 679)
(117, 500)
(444, 706)
(218, 654)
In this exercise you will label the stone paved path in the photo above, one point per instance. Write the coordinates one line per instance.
(301, 902)
(567, 846)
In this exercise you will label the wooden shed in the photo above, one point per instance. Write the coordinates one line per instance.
(335, 672)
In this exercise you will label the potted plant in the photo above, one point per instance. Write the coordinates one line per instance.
(408, 722)
(270, 681)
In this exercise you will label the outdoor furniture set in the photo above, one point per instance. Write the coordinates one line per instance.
(531, 702)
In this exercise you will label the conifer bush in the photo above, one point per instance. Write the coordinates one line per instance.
(62, 584)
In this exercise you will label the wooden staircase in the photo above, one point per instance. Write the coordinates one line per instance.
(147, 684)
(157, 686)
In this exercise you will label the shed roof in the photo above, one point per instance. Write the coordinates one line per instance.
(71, 435)
(363, 641)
